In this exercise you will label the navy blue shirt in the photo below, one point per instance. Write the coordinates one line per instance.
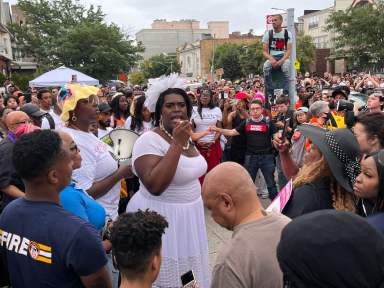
(47, 246)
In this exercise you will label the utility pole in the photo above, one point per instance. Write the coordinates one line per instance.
(292, 58)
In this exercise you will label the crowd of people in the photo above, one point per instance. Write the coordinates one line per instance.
(72, 215)
(197, 147)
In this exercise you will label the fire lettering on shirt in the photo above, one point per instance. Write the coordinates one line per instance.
(26, 247)
(256, 128)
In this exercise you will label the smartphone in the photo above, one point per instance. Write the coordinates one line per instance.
(284, 133)
(188, 279)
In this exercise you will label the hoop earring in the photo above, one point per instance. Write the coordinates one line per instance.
(74, 118)
(161, 122)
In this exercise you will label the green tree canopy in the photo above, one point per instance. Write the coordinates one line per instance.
(159, 65)
(252, 59)
(239, 60)
(137, 78)
(359, 35)
(305, 51)
(227, 56)
(65, 32)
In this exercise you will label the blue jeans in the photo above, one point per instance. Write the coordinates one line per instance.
(113, 272)
(268, 70)
(266, 163)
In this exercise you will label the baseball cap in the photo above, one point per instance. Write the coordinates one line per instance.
(32, 110)
(104, 107)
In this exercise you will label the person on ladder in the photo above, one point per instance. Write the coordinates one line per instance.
(277, 48)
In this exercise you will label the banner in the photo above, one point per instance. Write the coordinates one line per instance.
(281, 199)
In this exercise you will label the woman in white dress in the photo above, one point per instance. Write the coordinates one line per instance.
(169, 166)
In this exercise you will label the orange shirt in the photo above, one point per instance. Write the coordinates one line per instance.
(298, 104)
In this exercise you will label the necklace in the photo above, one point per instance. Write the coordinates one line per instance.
(185, 148)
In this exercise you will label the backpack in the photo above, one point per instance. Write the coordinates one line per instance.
(50, 120)
(286, 38)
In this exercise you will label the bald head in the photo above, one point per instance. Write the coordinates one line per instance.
(232, 179)
(15, 119)
(230, 194)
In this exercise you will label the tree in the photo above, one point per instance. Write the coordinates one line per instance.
(227, 56)
(137, 78)
(65, 32)
(252, 59)
(360, 34)
(159, 65)
(305, 51)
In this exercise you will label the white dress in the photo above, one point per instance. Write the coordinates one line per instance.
(185, 244)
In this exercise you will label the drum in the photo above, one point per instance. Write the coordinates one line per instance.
(122, 141)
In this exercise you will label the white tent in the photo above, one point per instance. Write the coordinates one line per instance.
(61, 76)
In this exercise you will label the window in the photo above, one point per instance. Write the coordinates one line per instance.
(313, 22)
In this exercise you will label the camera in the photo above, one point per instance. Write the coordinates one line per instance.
(344, 105)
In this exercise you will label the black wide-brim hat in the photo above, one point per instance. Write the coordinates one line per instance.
(341, 151)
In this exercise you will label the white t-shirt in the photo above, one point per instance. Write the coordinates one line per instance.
(56, 118)
(147, 126)
(101, 132)
(278, 42)
(97, 164)
(209, 117)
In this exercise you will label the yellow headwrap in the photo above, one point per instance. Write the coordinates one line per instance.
(70, 94)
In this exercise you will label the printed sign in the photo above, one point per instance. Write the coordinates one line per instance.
(281, 199)
(297, 65)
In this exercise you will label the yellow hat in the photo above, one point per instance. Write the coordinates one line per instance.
(70, 94)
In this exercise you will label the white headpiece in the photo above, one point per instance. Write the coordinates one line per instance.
(159, 85)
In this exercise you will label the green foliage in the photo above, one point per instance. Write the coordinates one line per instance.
(252, 59)
(227, 56)
(66, 32)
(305, 51)
(239, 60)
(160, 65)
(137, 78)
(359, 35)
(2, 78)
(22, 80)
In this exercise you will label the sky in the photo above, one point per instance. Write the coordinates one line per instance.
(243, 15)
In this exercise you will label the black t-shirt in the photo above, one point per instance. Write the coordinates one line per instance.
(309, 198)
(46, 246)
(8, 175)
(258, 136)
(238, 142)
